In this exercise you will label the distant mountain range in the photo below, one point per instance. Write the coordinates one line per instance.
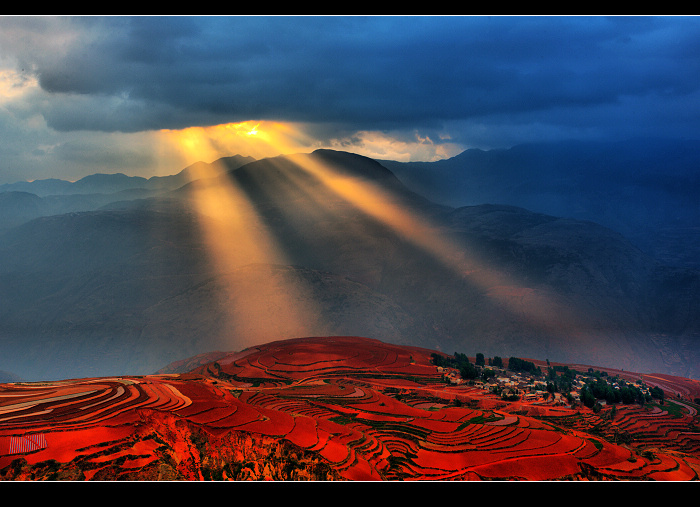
(111, 183)
(646, 189)
(125, 284)
(24, 201)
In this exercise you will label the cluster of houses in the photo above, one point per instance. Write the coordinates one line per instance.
(527, 387)
(505, 383)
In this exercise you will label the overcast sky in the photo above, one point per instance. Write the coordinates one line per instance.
(90, 94)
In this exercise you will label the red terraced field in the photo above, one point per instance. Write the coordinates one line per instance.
(338, 408)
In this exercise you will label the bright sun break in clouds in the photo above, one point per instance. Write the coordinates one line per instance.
(14, 84)
(236, 237)
(257, 139)
(262, 139)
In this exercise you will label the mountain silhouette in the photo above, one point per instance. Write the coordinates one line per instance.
(131, 287)
(111, 183)
(24, 201)
(645, 189)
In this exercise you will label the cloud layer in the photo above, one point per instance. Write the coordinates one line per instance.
(471, 81)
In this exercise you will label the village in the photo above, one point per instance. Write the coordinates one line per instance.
(558, 387)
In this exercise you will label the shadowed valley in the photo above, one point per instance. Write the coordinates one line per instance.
(133, 285)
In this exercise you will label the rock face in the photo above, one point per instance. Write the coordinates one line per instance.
(183, 453)
(249, 457)
(135, 286)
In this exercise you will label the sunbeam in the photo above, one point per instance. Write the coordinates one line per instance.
(261, 298)
(237, 236)
(542, 310)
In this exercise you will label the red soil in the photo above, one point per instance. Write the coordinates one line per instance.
(339, 398)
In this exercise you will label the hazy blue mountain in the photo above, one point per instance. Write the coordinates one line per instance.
(51, 186)
(17, 207)
(646, 189)
(117, 182)
(24, 201)
(128, 289)
(191, 172)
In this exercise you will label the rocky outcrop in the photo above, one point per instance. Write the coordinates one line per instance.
(183, 452)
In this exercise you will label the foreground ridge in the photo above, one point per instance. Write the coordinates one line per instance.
(328, 408)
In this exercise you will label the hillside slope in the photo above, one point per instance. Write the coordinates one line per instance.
(645, 189)
(135, 285)
(332, 408)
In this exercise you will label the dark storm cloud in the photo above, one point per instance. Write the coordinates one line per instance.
(131, 74)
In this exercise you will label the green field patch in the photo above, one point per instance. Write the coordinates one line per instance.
(597, 443)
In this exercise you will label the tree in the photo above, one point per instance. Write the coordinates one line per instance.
(497, 361)
(517, 364)
(468, 371)
(480, 359)
(439, 359)
(657, 392)
(587, 397)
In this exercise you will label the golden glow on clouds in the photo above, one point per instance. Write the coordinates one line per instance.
(382, 146)
(257, 139)
(263, 139)
(14, 84)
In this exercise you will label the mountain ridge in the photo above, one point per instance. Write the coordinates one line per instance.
(644, 188)
(114, 182)
(24, 201)
(132, 285)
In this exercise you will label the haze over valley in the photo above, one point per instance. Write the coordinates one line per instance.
(128, 274)
(515, 186)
